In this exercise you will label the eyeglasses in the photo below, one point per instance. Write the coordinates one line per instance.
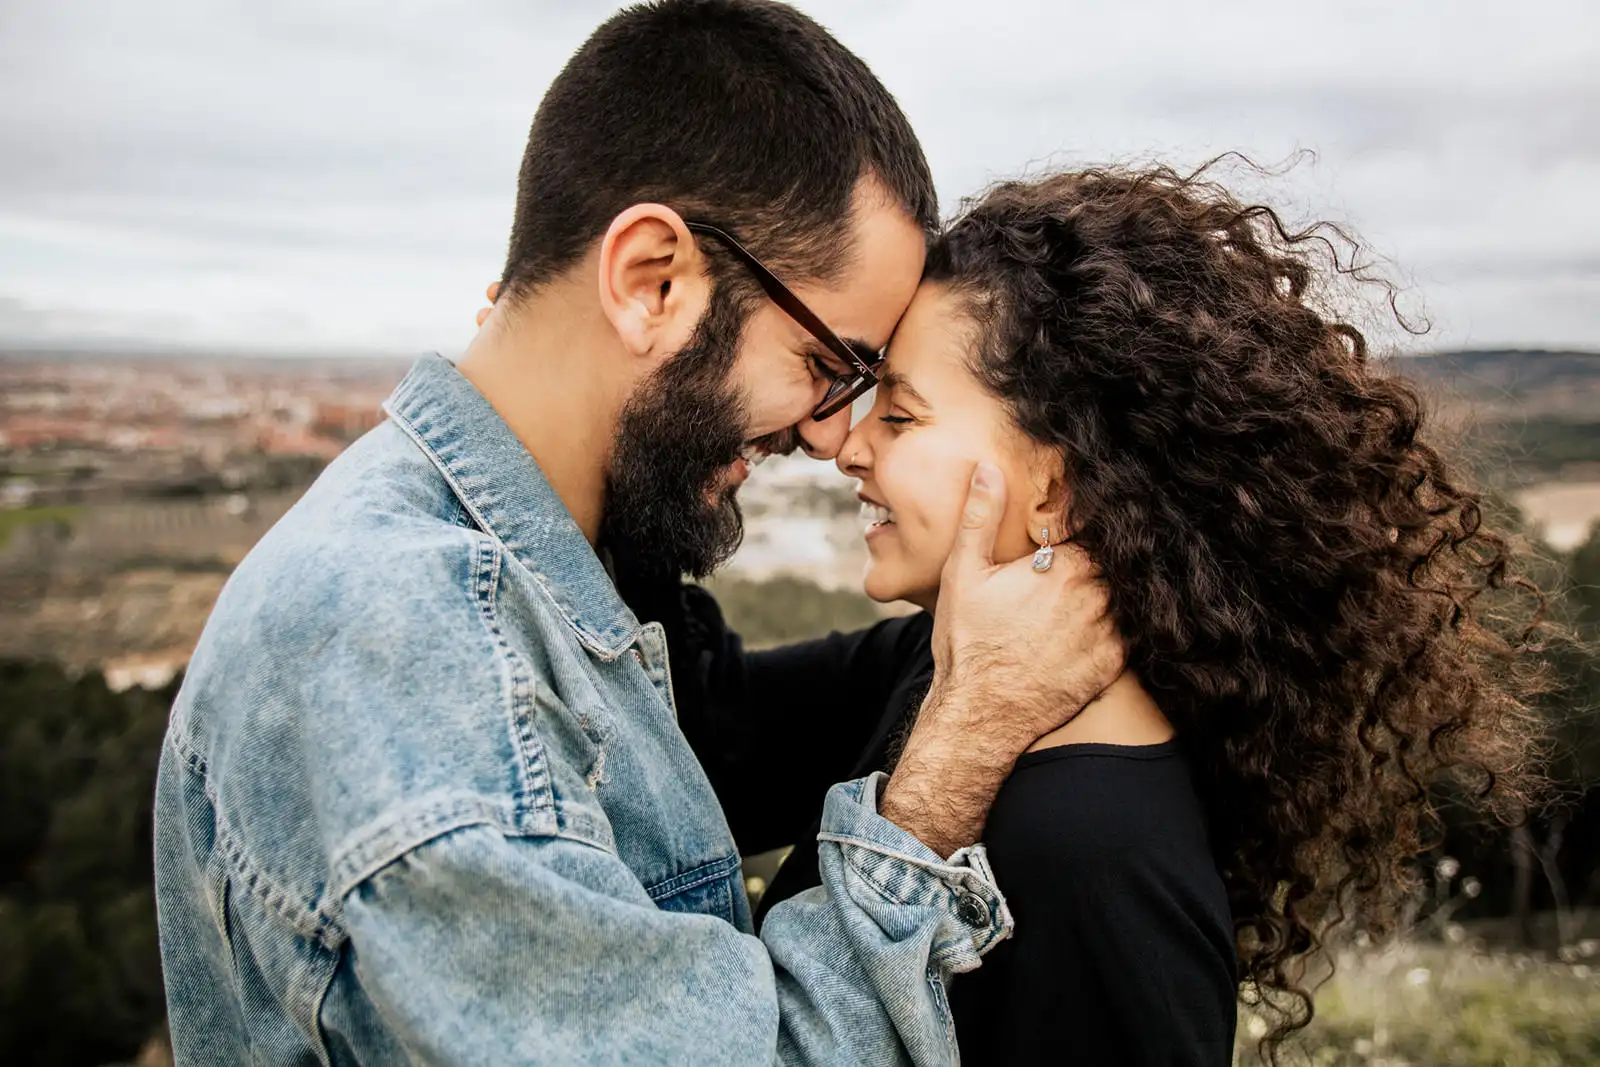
(845, 387)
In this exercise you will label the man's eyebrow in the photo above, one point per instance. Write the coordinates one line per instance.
(899, 383)
(859, 346)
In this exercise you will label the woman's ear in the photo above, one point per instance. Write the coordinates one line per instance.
(653, 285)
(1049, 496)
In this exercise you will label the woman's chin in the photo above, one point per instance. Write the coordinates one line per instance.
(884, 587)
(878, 585)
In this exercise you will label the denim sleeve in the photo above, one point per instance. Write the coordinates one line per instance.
(482, 948)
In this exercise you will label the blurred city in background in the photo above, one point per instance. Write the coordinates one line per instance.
(131, 484)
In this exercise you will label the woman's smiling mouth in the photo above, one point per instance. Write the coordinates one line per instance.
(874, 516)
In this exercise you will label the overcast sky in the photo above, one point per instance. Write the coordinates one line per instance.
(320, 175)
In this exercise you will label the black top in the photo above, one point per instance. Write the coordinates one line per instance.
(1123, 951)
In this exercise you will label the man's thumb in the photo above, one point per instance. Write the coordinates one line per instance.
(980, 517)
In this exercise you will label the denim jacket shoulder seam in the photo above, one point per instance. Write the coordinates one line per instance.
(308, 919)
(193, 760)
(314, 922)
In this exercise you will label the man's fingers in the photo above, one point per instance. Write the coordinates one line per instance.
(980, 518)
(493, 293)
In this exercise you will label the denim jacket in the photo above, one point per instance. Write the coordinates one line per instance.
(423, 799)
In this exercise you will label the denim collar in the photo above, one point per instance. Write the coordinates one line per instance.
(505, 492)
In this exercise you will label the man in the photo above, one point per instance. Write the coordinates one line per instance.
(423, 797)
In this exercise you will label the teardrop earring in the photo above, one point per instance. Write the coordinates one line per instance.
(1047, 552)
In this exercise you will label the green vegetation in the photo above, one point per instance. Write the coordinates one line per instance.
(80, 977)
(1419, 1004)
(16, 518)
(789, 609)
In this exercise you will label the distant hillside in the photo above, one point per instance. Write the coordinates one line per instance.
(1529, 415)
(1505, 384)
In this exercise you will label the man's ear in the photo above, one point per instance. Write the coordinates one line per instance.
(653, 285)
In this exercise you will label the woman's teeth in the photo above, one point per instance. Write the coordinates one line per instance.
(873, 515)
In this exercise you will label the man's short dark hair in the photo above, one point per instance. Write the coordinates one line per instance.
(743, 113)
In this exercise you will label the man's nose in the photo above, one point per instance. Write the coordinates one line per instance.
(824, 439)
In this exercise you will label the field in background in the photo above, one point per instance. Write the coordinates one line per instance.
(1421, 1003)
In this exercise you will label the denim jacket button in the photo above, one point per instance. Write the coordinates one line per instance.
(972, 910)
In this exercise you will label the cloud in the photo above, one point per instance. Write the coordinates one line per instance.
(307, 174)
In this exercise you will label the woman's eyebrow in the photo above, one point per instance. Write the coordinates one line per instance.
(899, 383)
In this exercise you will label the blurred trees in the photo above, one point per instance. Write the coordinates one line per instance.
(1552, 862)
(80, 978)
(1577, 865)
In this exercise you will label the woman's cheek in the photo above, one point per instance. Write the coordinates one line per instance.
(938, 517)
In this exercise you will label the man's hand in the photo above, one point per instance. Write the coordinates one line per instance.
(493, 293)
(1017, 653)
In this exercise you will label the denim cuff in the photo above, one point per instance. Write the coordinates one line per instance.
(901, 870)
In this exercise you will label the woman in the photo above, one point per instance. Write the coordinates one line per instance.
(1318, 619)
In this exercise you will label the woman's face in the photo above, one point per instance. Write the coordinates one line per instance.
(931, 423)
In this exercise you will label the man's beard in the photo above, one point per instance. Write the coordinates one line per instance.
(665, 515)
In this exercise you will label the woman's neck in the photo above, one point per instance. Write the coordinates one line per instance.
(1125, 714)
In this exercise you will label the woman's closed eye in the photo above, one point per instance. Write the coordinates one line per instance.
(896, 420)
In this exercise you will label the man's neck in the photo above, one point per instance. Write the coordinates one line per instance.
(538, 365)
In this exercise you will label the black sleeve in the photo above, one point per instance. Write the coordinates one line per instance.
(775, 728)
(1123, 950)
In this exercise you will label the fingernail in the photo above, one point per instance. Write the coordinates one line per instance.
(983, 476)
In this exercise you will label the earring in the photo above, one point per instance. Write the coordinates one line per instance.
(1047, 552)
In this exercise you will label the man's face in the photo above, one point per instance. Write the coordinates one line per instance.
(691, 431)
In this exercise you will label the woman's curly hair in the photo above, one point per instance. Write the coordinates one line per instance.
(1306, 588)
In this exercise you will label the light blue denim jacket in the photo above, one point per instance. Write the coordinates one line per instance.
(423, 799)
